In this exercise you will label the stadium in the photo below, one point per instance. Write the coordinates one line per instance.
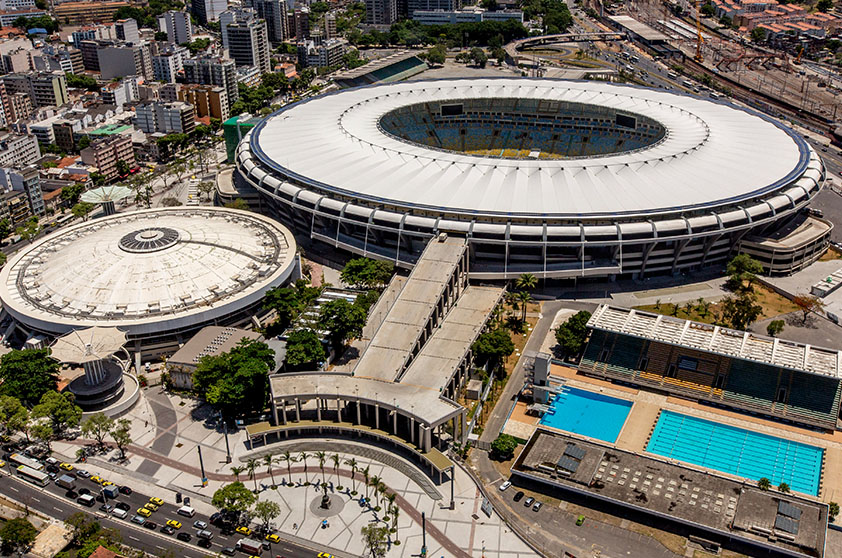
(562, 179)
(158, 275)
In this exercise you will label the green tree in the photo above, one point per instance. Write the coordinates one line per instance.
(758, 34)
(195, 46)
(97, 426)
(775, 327)
(60, 409)
(743, 268)
(764, 484)
(82, 209)
(17, 535)
(503, 447)
(233, 497)
(121, 434)
(161, 36)
(122, 167)
(81, 81)
(437, 55)
(741, 310)
(493, 346)
(523, 299)
(268, 461)
(367, 273)
(708, 10)
(28, 374)
(82, 525)
(824, 5)
(304, 349)
(70, 194)
(321, 457)
(206, 188)
(479, 57)
(375, 539)
(43, 432)
(783, 488)
(526, 282)
(287, 458)
(571, 334)
(5, 228)
(343, 320)
(13, 415)
(98, 179)
(29, 230)
(237, 381)
(266, 511)
(286, 302)
(832, 511)
(238, 203)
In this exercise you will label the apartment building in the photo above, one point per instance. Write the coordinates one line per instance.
(177, 26)
(74, 13)
(213, 71)
(208, 100)
(166, 118)
(104, 154)
(18, 150)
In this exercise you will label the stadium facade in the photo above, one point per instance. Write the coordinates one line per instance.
(562, 179)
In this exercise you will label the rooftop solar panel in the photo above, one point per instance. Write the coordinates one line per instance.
(788, 510)
(786, 524)
(574, 451)
(568, 464)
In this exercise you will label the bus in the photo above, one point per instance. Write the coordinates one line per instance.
(19, 459)
(35, 477)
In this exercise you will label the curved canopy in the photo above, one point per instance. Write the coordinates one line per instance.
(89, 344)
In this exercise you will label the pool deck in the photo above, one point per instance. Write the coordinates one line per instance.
(641, 420)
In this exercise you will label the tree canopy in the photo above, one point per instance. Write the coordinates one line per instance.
(17, 534)
(237, 381)
(28, 374)
(743, 268)
(367, 273)
(303, 348)
(741, 310)
(343, 320)
(493, 346)
(503, 447)
(233, 497)
(82, 81)
(60, 409)
(289, 302)
(571, 334)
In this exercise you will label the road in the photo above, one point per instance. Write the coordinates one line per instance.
(51, 502)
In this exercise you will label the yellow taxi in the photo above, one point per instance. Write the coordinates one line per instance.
(326, 555)
(143, 512)
(273, 538)
(156, 501)
(107, 483)
(243, 530)
(65, 466)
(150, 506)
(174, 524)
(97, 479)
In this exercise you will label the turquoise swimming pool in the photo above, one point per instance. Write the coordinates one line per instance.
(737, 451)
(587, 413)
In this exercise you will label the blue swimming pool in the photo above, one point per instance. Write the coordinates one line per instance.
(587, 413)
(737, 451)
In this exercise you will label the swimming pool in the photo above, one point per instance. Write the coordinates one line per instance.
(737, 451)
(587, 413)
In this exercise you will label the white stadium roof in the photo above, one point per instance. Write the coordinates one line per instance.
(713, 154)
(147, 272)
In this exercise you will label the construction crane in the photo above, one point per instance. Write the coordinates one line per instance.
(798, 60)
(699, 58)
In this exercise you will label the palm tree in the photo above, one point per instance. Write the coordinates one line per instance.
(783, 488)
(390, 499)
(366, 478)
(764, 484)
(395, 513)
(526, 282)
(251, 467)
(267, 460)
(524, 298)
(237, 470)
(497, 314)
(289, 459)
(353, 464)
(336, 461)
(303, 457)
(375, 482)
(322, 457)
(381, 491)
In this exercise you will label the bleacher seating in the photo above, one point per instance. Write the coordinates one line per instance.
(813, 397)
(751, 384)
(625, 355)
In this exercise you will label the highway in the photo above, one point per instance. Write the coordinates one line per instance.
(51, 502)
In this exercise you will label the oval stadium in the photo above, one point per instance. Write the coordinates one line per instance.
(563, 179)
(159, 275)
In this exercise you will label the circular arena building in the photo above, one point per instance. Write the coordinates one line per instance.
(563, 179)
(158, 275)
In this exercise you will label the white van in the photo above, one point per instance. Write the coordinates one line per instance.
(186, 511)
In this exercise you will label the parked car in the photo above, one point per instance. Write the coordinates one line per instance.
(126, 490)
(537, 506)
(505, 486)
(151, 525)
(528, 501)
(122, 506)
(228, 551)
(184, 536)
(167, 530)
(580, 520)
(138, 519)
(519, 496)
(119, 513)
(199, 524)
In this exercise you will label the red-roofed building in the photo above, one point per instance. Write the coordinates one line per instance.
(102, 552)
